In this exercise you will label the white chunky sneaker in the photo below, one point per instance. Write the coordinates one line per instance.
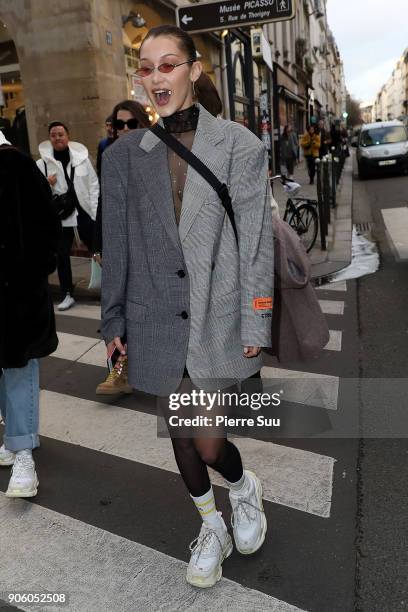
(208, 551)
(6, 457)
(66, 303)
(23, 481)
(248, 517)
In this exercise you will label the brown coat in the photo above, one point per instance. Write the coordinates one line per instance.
(299, 328)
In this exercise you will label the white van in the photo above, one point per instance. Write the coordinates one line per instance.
(382, 146)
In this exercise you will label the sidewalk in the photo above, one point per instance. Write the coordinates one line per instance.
(335, 258)
(338, 242)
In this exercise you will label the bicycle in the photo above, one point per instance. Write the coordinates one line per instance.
(300, 212)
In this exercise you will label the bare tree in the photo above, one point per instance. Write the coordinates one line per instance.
(354, 111)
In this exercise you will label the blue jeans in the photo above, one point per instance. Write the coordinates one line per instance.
(19, 406)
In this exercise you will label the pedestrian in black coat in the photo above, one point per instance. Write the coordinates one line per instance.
(29, 234)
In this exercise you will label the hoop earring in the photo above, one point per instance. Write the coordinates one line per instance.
(194, 91)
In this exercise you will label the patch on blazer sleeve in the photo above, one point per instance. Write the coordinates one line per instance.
(262, 303)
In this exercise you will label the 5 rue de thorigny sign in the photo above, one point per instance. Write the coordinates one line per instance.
(209, 16)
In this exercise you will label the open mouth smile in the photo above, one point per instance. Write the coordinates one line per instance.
(162, 96)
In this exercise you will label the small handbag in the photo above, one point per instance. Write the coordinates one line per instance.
(96, 275)
(299, 328)
(65, 203)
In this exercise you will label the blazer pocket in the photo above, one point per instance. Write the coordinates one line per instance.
(135, 312)
(228, 303)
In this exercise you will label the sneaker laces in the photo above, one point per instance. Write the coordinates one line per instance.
(242, 513)
(205, 543)
(22, 463)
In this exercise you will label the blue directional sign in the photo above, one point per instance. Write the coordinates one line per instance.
(210, 16)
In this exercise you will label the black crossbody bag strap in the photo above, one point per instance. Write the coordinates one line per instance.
(220, 188)
(67, 178)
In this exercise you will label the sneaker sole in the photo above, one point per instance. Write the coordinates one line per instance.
(65, 307)
(262, 536)
(210, 581)
(6, 463)
(22, 492)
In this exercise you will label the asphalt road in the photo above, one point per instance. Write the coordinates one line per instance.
(382, 299)
(337, 542)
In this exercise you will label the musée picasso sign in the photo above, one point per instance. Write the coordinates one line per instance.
(209, 16)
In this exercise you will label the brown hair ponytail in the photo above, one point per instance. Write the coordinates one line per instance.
(207, 94)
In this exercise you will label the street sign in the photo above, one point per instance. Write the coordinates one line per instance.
(210, 16)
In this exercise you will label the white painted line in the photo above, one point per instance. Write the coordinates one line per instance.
(337, 286)
(291, 477)
(85, 311)
(334, 343)
(396, 222)
(332, 307)
(307, 388)
(95, 356)
(93, 351)
(102, 571)
(72, 346)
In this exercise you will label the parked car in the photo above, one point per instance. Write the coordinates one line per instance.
(380, 147)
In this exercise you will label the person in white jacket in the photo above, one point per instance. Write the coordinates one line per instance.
(60, 160)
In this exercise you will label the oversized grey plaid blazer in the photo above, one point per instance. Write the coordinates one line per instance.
(187, 295)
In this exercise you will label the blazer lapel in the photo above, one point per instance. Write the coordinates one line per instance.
(156, 178)
(197, 190)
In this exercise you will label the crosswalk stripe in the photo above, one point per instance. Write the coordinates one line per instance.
(92, 351)
(332, 307)
(95, 356)
(291, 477)
(334, 343)
(320, 390)
(396, 222)
(99, 570)
(338, 286)
(73, 346)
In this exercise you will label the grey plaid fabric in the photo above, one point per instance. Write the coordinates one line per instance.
(187, 295)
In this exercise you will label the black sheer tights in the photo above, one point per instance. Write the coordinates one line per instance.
(193, 455)
(194, 452)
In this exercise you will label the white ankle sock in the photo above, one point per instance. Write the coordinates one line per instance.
(240, 485)
(205, 504)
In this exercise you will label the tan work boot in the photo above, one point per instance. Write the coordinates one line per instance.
(117, 380)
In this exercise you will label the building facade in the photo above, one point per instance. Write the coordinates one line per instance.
(391, 101)
(74, 61)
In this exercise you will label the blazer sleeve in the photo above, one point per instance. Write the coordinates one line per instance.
(115, 248)
(253, 216)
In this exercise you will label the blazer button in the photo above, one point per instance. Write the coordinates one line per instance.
(184, 315)
(181, 273)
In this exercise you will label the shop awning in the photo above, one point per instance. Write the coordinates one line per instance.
(283, 91)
